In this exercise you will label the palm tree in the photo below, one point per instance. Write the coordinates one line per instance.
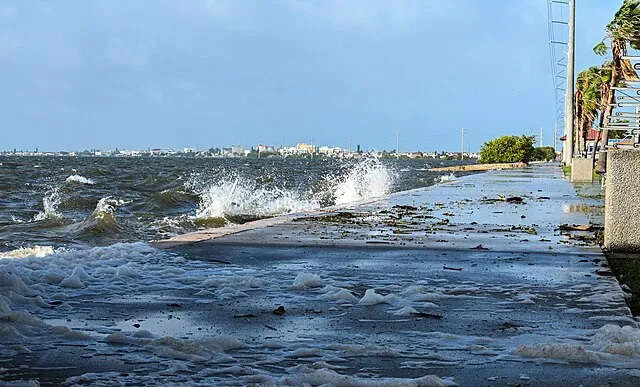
(578, 102)
(587, 101)
(605, 87)
(625, 27)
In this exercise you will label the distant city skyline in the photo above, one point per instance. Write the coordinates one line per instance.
(267, 146)
(172, 74)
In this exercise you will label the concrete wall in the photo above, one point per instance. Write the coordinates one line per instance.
(480, 167)
(581, 170)
(622, 202)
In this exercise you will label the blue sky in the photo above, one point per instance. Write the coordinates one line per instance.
(78, 74)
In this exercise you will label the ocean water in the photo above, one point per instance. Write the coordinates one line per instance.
(53, 202)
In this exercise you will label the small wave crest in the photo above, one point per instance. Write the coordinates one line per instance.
(79, 179)
(102, 221)
(173, 197)
(444, 178)
(106, 208)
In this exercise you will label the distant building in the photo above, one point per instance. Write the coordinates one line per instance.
(330, 151)
(129, 153)
(237, 150)
(288, 151)
(304, 148)
(592, 135)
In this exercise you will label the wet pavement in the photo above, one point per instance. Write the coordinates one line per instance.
(483, 283)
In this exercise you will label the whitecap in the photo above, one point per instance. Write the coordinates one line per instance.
(79, 179)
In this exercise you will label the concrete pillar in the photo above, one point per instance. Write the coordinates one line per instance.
(622, 202)
(581, 170)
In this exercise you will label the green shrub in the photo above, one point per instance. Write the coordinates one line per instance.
(544, 153)
(508, 149)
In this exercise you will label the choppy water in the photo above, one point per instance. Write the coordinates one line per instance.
(90, 201)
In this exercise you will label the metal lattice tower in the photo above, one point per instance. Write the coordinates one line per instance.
(558, 15)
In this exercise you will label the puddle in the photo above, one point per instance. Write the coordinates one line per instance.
(567, 208)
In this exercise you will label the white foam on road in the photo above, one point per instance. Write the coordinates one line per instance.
(46, 288)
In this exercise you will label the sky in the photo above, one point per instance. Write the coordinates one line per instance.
(106, 74)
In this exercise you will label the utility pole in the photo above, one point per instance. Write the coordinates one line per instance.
(555, 138)
(462, 154)
(568, 100)
(540, 142)
(397, 145)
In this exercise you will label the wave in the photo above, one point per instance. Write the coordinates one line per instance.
(444, 178)
(79, 179)
(173, 197)
(102, 221)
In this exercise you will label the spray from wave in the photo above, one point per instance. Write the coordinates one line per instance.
(239, 199)
(369, 179)
(50, 202)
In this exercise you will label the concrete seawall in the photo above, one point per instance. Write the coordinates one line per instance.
(622, 222)
(480, 167)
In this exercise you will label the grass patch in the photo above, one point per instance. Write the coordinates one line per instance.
(596, 176)
(598, 196)
(627, 270)
(567, 172)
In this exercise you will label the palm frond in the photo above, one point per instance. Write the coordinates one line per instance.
(601, 48)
